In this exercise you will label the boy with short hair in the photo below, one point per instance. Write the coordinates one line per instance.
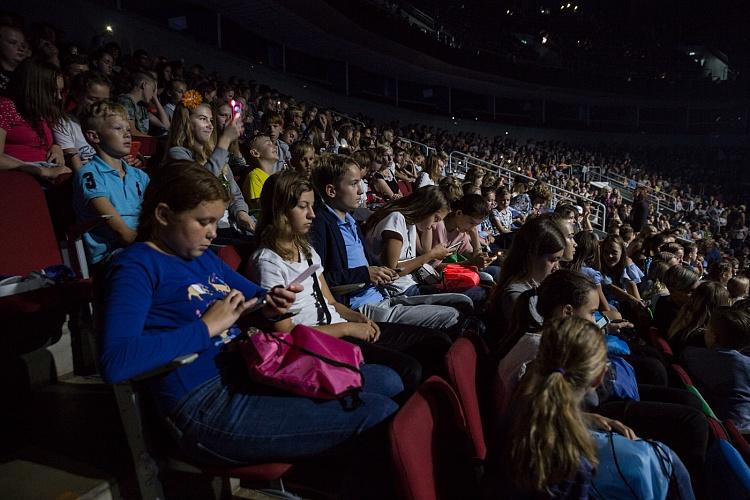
(262, 157)
(339, 241)
(176, 88)
(273, 125)
(106, 185)
(738, 288)
(15, 51)
(136, 103)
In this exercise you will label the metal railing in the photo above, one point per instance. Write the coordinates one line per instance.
(426, 150)
(459, 163)
(662, 201)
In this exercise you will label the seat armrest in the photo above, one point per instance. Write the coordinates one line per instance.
(172, 365)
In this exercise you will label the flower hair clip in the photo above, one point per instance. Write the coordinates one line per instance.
(191, 99)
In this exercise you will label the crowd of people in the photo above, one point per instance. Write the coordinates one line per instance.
(406, 257)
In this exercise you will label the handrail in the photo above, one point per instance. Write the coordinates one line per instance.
(459, 162)
(661, 199)
(427, 148)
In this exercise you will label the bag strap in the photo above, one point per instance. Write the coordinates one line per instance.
(319, 295)
(326, 359)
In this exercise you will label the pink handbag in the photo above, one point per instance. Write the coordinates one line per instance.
(305, 362)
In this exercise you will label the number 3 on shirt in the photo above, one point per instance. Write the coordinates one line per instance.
(89, 183)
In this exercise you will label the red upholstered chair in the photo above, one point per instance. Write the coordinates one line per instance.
(738, 440)
(230, 256)
(462, 364)
(431, 447)
(658, 341)
(34, 317)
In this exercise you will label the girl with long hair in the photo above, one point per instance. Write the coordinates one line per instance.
(586, 261)
(535, 253)
(392, 236)
(167, 296)
(621, 275)
(671, 415)
(689, 326)
(432, 171)
(680, 282)
(32, 107)
(192, 137)
(285, 252)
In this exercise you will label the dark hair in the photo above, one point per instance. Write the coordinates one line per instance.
(472, 205)
(422, 202)
(84, 81)
(587, 251)
(182, 185)
(673, 247)
(716, 269)
(281, 192)
(559, 288)
(329, 170)
(566, 210)
(615, 271)
(680, 279)
(626, 231)
(33, 89)
(731, 327)
(537, 237)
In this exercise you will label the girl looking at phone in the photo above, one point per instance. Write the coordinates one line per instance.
(168, 297)
(286, 253)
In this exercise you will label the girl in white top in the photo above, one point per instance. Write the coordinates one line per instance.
(392, 235)
(285, 253)
(433, 170)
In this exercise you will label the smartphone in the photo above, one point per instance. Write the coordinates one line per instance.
(135, 148)
(602, 321)
(236, 108)
(455, 245)
(305, 274)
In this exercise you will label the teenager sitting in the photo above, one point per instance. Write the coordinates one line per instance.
(339, 242)
(168, 297)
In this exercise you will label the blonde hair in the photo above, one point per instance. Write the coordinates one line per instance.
(281, 192)
(96, 114)
(181, 133)
(548, 438)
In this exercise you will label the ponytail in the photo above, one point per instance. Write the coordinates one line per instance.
(549, 441)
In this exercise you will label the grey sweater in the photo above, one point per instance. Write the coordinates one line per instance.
(218, 165)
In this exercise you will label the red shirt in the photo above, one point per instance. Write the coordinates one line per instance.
(22, 141)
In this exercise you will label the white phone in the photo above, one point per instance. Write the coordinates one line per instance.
(305, 274)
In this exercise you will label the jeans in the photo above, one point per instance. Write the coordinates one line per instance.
(413, 352)
(243, 423)
(461, 301)
(431, 311)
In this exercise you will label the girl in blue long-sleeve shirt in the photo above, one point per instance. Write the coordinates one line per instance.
(168, 297)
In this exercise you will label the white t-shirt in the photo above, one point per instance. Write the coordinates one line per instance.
(68, 135)
(396, 223)
(270, 270)
(513, 366)
(424, 179)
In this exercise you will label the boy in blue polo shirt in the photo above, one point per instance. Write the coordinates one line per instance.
(107, 185)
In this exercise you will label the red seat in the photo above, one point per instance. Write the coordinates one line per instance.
(33, 318)
(462, 365)
(738, 440)
(658, 341)
(230, 256)
(431, 447)
(683, 375)
(716, 429)
(28, 237)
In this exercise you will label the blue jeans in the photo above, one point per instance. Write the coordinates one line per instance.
(217, 423)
